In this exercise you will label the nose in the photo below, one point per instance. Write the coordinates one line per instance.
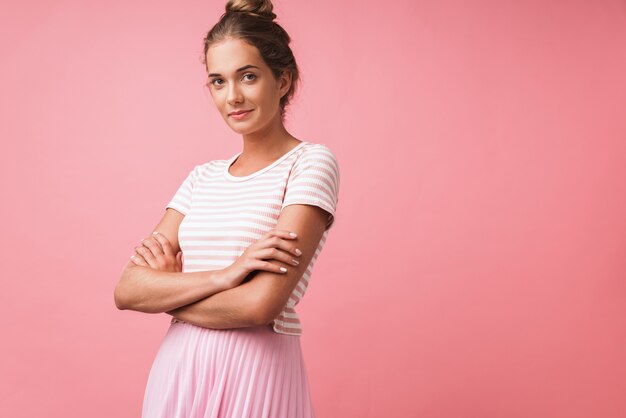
(234, 94)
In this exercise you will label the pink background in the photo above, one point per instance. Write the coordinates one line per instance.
(478, 263)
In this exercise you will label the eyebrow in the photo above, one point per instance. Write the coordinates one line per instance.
(245, 67)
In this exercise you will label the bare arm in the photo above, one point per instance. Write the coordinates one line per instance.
(260, 300)
(147, 290)
(232, 308)
(150, 290)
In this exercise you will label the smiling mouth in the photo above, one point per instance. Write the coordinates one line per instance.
(241, 116)
(240, 112)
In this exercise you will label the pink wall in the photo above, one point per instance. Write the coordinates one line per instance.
(478, 263)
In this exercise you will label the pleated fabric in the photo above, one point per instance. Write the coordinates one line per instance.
(250, 372)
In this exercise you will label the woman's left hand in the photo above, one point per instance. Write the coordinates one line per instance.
(156, 252)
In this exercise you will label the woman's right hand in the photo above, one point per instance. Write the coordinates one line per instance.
(276, 244)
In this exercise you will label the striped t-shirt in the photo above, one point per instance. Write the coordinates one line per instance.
(224, 214)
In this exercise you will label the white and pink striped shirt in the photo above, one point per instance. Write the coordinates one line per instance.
(224, 214)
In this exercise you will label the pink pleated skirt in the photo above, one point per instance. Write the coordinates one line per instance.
(250, 372)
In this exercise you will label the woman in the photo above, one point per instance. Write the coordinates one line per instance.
(233, 345)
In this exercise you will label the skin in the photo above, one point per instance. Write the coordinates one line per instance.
(265, 138)
(258, 301)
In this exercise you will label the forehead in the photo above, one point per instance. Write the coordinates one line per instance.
(227, 56)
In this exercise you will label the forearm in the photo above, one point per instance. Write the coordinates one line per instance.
(148, 290)
(233, 308)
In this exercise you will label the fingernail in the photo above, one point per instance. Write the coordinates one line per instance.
(283, 269)
(298, 251)
(154, 233)
(293, 234)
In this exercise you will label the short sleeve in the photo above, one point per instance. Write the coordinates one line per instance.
(181, 201)
(314, 180)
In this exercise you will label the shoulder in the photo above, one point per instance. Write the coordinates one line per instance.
(207, 167)
(312, 148)
(318, 155)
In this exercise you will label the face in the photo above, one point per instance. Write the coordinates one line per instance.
(239, 79)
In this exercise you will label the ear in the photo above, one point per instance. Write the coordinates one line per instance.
(285, 82)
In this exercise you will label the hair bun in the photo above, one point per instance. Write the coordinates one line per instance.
(258, 8)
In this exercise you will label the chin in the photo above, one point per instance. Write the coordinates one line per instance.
(244, 127)
(238, 128)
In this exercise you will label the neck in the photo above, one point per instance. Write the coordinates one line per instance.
(267, 144)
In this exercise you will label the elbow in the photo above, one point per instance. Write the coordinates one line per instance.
(122, 294)
(258, 320)
(118, 296)
(125, 300)
(261, 316)
(126, 295)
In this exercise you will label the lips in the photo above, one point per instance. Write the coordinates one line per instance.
(239, 112)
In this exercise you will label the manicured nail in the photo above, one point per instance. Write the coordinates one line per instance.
(293, 234)
(283, 269)
(298, 251)
(154, 233)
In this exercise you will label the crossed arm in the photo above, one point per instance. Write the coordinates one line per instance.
(260, 300)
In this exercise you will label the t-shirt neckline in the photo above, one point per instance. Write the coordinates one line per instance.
(262, 170)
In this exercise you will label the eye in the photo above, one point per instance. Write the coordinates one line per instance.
(214, 80)
(247, 74)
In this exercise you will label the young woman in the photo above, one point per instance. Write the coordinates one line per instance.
(250, 228)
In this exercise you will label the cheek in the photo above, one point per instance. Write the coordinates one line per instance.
(266, 98)
(262, 92)
(219, 99)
